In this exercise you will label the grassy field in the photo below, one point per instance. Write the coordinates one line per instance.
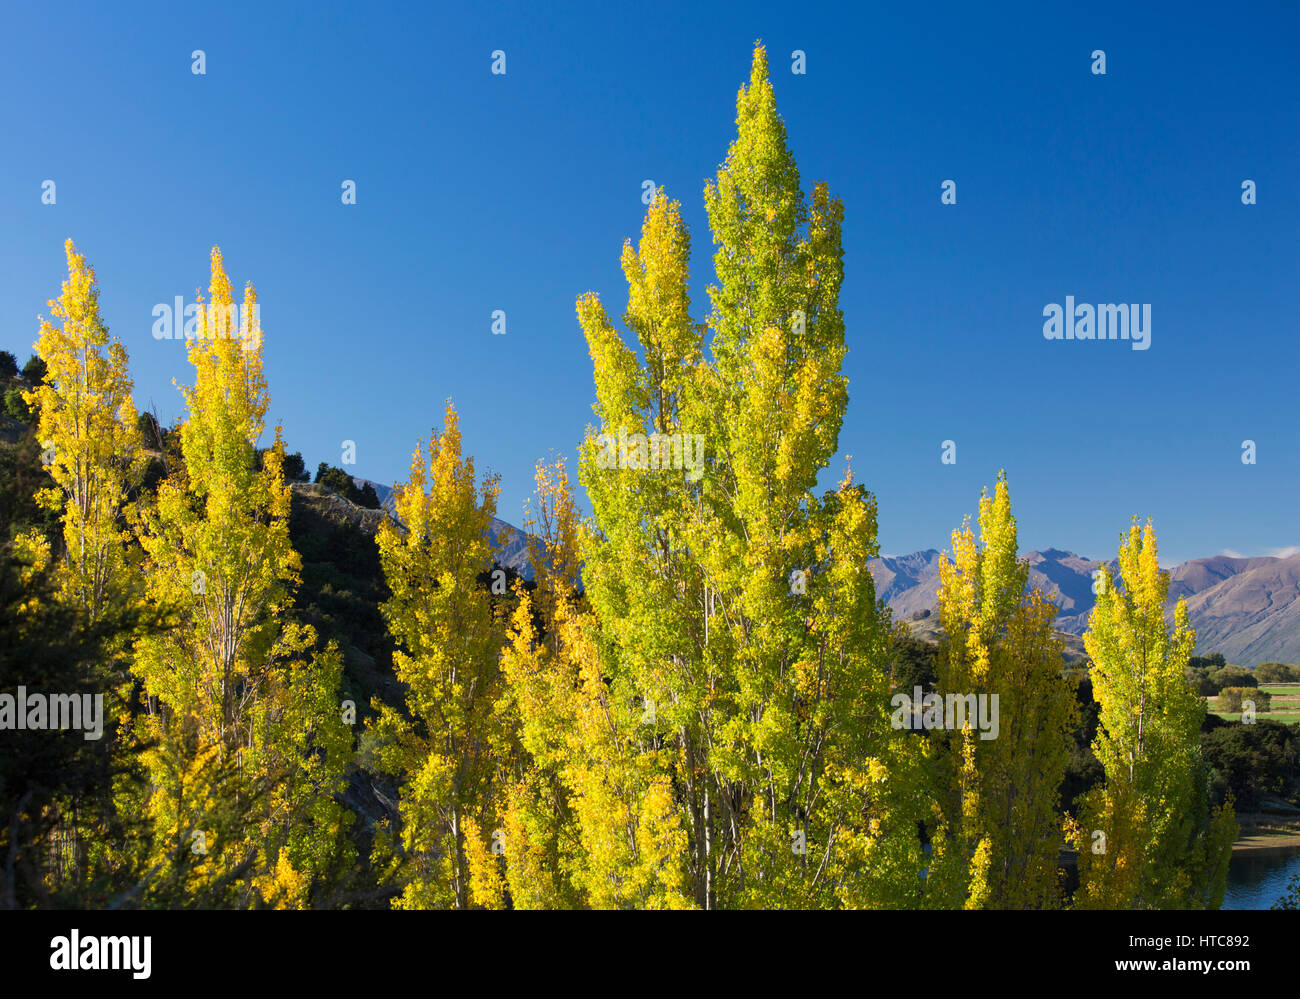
(1281, 689)
(1286, 717)
(1285, 707)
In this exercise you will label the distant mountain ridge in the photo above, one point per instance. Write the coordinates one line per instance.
(1246, 608)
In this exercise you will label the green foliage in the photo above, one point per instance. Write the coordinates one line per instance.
(247, 741)
(15, 406)
(342, 589)
(1198, 678)
(294, 468)
(147, 426)
(730, 595)
(998, 642)
(342, 483)
(87, 422)
(1275, 672)
(1233, 676)
(66, 838)
(34, 371)
(1290, 899)
(695, 729)
(1166, 844)
(915, 663)
(1084, 771)
(1232, 699)
(1254, 760)
(21, 477)
(448, 643)
(1210, 674)
(51, 784)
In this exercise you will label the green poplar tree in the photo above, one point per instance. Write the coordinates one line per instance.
(1150, 836)
(998, 642)
(735, 605)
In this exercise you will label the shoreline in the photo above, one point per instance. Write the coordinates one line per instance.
(1259, 842)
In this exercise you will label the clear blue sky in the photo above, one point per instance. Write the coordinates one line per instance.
(479, 192)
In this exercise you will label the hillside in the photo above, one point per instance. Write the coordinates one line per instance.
(1254, 615)
(1246, 608)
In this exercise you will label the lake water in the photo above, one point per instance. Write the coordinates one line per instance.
(1256, 880)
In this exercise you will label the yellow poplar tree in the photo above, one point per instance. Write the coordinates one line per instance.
(86, 424)
(448, 640)
(1149, 837)
(248, 740)
(590, 817)
(998, 641)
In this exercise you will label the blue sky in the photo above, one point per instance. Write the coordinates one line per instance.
(478, 192)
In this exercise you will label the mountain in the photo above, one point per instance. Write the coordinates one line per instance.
(1246, 608)
(910, 583)
(1067, 579)
(907, 583)
(1202, 574)
(1253, 615)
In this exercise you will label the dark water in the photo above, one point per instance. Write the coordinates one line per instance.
(1256, 880)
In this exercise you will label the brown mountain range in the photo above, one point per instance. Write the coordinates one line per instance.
(1246, 608)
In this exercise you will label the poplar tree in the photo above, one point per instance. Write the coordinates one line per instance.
(732, 600)
(448, 641)
(1149, 837)
(86, 429)
(247, 741)
(86, 425)
(998, 642)
(590, 818)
